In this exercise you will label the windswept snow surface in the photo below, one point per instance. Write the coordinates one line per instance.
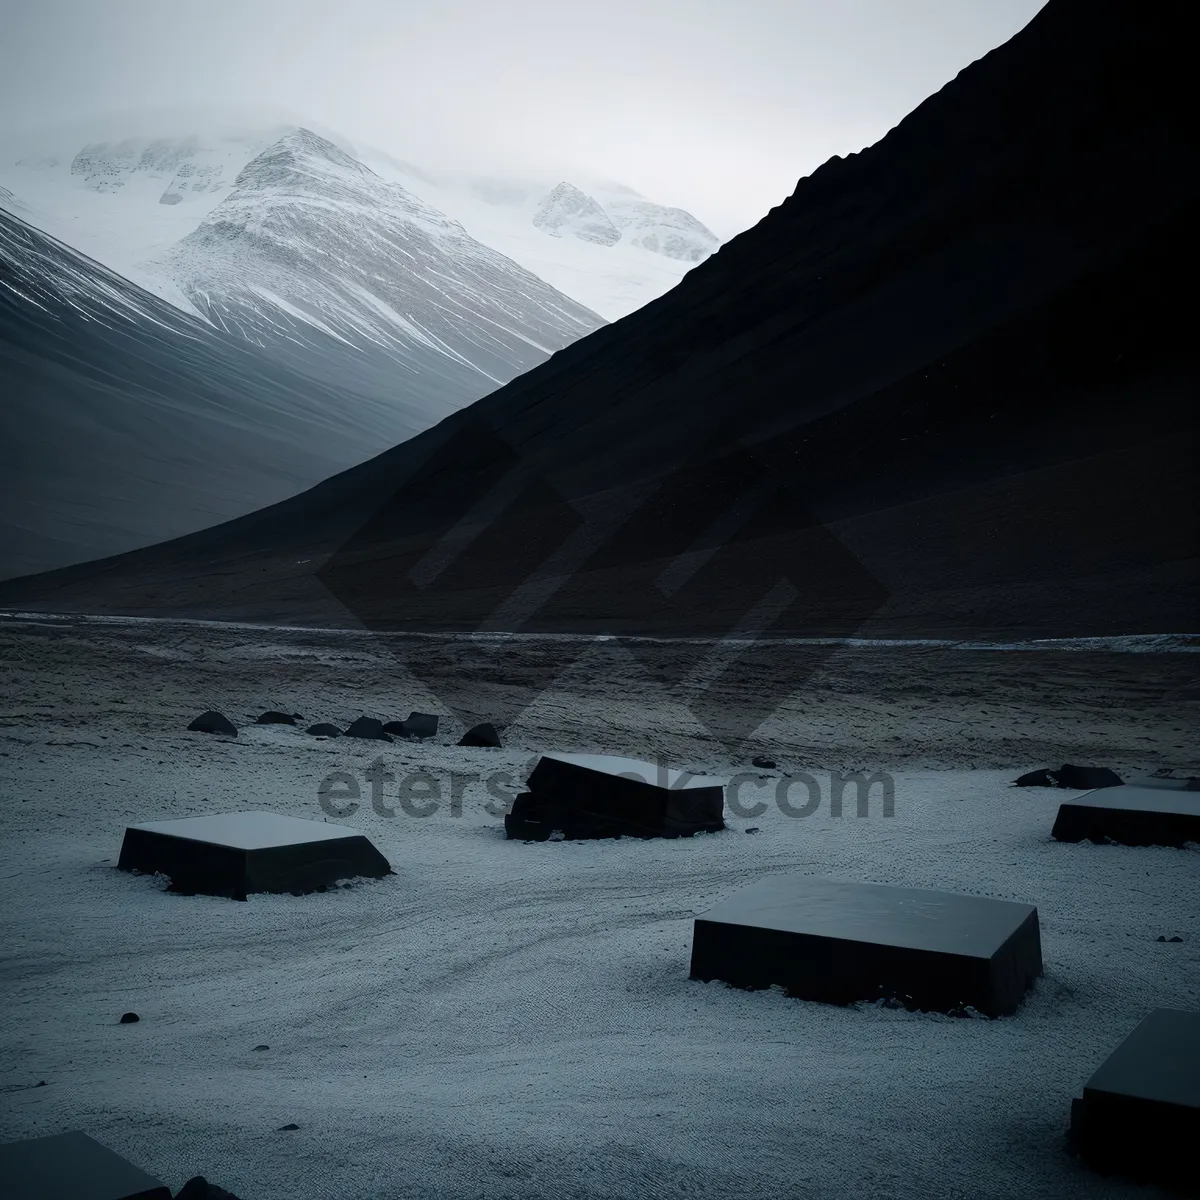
(515, 1021)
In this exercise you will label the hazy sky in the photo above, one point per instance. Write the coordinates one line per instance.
(715, 105)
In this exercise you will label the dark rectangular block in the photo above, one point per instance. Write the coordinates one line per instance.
(1139, 1115)
(604, 795)
(72, 1166)
(823, 939)
(1159, 812)
(234, 854)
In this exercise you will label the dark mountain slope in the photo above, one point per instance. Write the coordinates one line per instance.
(953, 369)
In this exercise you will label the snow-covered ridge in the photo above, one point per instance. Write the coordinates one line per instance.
(310, 237)
(127, 200)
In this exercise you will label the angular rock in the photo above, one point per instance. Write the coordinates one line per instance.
(1151, 812)
(839, 942)
(324, 729)
(764, 764)
(1139, 1115)
(415, 725)
(72, 1166)
(483, 734)
(272, 717)
(1042, 778)
(213, 722)
(1086, 778)
(367, 727)
(236, 854)
(603, 796)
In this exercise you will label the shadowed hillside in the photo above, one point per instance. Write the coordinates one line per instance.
(945, 388)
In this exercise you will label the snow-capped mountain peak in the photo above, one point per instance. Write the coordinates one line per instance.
(568, 212)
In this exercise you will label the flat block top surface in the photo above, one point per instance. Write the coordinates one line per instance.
(942, 922)
(636, 768)
(248, 830)
(69, 1166)
(1132, 797)
(1159, 1060)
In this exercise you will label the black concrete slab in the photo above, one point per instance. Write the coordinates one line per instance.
(603, 795)
(838, 942)
(235, 854)
(72, 1166)
(1151, 812)
(1139, 1114)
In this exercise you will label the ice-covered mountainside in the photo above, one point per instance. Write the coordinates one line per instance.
(673, 232)
(179, 168)
(612, 280)
(568, 212)
(126, 201)
(125, 420)
(11, 204)
(310, 239)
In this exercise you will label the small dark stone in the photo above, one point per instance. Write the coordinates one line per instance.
(1041, 778)
(129, 1018)
(763, 763)
(1162, 937)
(271, 717)
(198, 1188)
(1176, 938)
(287, 1128)
(753, 829)
(1086, 778)
(213, 722)
(483, 734)
(262, 1047)
(367, 727)
(324, 729)
(40, 1083)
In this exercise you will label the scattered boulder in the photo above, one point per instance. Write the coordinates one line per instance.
(415, 725)
(271, 717)
(324, 729)
(1042, 778)
(483, 734)
(763, 763)
(367, 727)
(287, 1128)
(1086, 778)
(198, 1188)
(264, 1047)
(752, 829)
(213, 722)
(129, 1018)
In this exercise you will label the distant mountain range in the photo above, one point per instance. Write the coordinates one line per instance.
(361, 312)
(946, 389)
(126, 200)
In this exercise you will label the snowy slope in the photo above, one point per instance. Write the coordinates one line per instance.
(125, 201)
(310, 239)
(512, 215)
(567, 212)
(126, 421)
